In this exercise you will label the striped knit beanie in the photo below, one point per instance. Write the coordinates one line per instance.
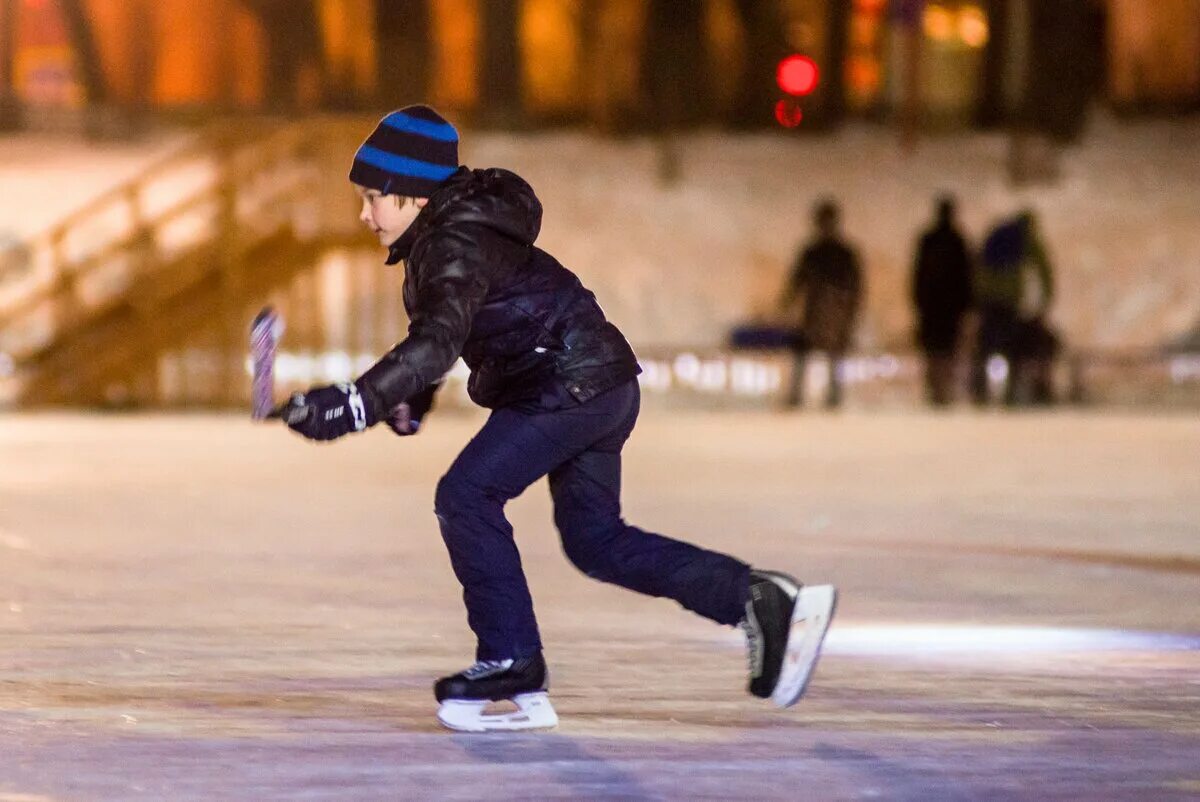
(409, 153)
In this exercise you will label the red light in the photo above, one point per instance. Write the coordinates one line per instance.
(788, 113)
(797, 75)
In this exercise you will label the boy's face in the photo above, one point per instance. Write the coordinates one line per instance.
(388, 216)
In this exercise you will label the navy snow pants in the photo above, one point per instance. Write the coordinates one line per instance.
(580, 448)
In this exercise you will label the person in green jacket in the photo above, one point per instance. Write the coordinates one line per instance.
(1013, 288)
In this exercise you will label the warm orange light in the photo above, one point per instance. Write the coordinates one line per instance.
(864, 76)
(939, 23)
(973, 27)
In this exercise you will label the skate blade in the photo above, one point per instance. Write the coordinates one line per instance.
(810, 621)
(534, 712)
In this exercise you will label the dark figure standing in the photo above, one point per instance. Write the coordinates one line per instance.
(1014, 286)
(828, 275)
(295, 51)
(941, 291)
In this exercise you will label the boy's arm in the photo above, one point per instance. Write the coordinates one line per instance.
(795, 281)
(859, 284)
(406, 418)
(919, 287)
(420, 404)
(1041, 261)
(451, 286)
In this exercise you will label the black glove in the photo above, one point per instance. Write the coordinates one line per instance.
(406, 419)
(327, 413)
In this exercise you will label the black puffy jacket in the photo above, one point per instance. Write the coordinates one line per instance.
(476, 287)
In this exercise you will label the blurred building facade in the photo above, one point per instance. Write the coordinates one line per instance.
(618, 64)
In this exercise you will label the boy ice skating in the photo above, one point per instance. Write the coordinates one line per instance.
(561, 383)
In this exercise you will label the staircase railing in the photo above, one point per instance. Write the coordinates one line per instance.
(199, 213)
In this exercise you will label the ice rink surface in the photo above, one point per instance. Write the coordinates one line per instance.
(195, 607)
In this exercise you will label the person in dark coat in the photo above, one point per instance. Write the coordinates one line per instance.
(828, 277)
(561, 382)
(1014, 288)
(941, 293)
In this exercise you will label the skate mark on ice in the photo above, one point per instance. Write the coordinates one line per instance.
(880, 778)
(571, 764)
(918, 640)
(983, 643)
(1173, 564)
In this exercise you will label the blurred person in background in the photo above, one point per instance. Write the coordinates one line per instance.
(1014, 287)
(294, 52)
(827, 274)
(941, 293)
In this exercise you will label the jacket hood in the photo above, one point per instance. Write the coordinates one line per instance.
(495, 198)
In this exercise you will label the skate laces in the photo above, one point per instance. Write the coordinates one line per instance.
(754, 641)
(486, 668)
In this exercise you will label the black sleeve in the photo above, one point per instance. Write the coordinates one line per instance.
(966, 267)
(804, 270)
(917, 288)
(451, 283)
(796, 278)
(420, 404)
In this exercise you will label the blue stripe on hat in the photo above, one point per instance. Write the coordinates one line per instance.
(444, 132)
(402, 165)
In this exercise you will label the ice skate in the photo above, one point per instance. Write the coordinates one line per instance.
(785, 624)
(465, 696)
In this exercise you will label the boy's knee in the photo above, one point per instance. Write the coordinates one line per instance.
(453, 492)
(585, 558)
(589, 546)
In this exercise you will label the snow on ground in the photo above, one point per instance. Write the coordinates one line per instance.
(678, 265)
(196, 607)
(45, 177)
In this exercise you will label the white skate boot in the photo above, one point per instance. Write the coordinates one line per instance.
(465, 696)
(785, 625)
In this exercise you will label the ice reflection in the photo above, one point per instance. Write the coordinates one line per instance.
(921, 639)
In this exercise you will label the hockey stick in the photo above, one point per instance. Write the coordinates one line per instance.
(265, 332)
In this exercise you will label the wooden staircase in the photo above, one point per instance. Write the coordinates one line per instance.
(187, 249)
